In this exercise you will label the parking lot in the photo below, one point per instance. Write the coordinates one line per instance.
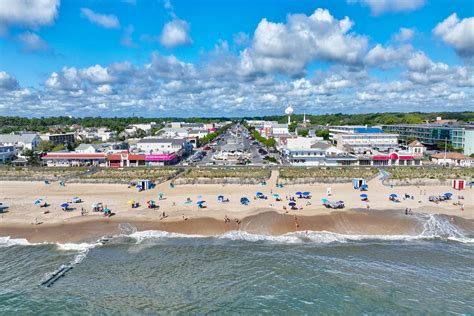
(236, 136)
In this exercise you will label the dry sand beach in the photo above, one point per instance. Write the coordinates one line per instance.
(384, 217)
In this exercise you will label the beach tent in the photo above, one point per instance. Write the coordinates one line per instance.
(259, 194)
(64, 206)
(220, 198)
(328, 191)
(364, 187)
(244, 201)
(144, 184)
(76, 199)
(38, 201)
(358, 182)
(459, 184)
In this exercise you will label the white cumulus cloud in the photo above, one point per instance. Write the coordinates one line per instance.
(378, 7)
(31, 42)
(457, 33)
(108, 21)
(30, 13)
(289, 47)
(175, 33)
(8, 82)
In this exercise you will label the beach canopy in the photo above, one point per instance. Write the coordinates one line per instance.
(131, 201)
(298, 193)
(393, 195)
(363, 195)
(38, 201)
(220, 197)
(292, 204)
(306, 193)
(64, 205)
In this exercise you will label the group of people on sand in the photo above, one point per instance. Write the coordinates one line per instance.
(236, 220)
(163, 215)
(408, 211)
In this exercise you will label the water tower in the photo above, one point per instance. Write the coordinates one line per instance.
(289, 111)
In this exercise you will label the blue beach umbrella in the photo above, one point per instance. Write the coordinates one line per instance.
(298, 193)
(258, 193)
(325, 200)
(292, 204)
(306, 193)
(200, 202)
(364, 186)
(363, 195)
(64, 205)
(38, 201)
(220, 197)
(276, 195)
(448, 194)
(393, 195)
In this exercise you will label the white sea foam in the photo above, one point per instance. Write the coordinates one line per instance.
(157, 234)
(8, 242)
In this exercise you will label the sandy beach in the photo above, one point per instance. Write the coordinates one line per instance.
(383, 217)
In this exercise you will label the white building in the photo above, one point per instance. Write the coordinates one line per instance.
(452, 159)
(174, 132)
(364, 142)
(21, 141)
(416, 148)
(7, 152)
(104, 134)
(88, 149)
(176, 146)
(315, 152)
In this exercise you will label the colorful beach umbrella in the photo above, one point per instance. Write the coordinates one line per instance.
(150, 202)
(131, 202)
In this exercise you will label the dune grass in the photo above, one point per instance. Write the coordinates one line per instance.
(292, 173)
(401, 173)
(35, 173)
(222, 173)
(128, 174)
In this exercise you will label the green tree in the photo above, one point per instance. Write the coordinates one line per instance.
(323, 133)
(292, 127)
(303, 132)
(31, 157)
(45, 145)
(58, 148)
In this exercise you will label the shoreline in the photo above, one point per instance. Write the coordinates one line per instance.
(348, 222)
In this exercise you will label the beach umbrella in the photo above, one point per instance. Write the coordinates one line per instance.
(220, 197)
(306, 193)
(259, 193)
(276, 195)
(292, 204)
(364, 186)
(94, 205)
(38, 201)
(448, 194)
(150, 202)
(160, 194)
(363, 195)
(131, 202)
(325, 200)
(200, 202)
(64, 205)
(298, 193)
(393, 195)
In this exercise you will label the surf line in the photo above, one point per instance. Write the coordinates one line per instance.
(61, 272)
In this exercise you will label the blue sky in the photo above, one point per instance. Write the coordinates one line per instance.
(208, 58)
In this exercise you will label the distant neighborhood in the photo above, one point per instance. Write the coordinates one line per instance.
(296, 142)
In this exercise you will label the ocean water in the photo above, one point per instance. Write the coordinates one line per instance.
(310, 273)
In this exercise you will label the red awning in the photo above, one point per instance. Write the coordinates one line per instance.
(380, 158)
